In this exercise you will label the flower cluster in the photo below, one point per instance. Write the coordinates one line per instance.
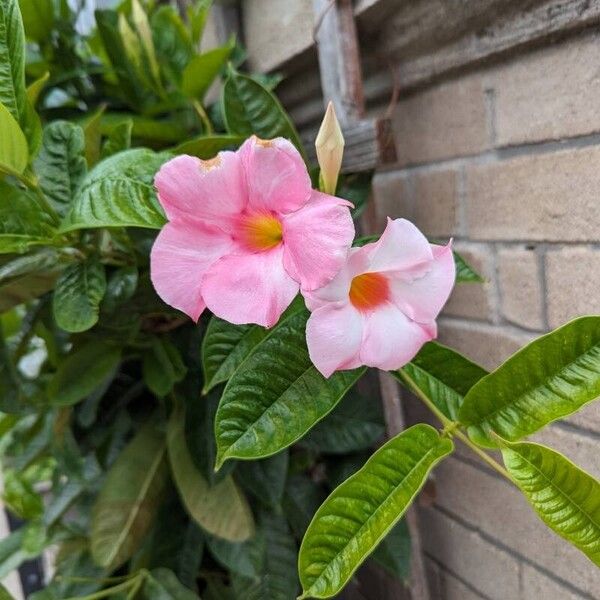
(246, 233)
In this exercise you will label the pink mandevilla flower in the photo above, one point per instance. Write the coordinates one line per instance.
(381, 307)
(245, 231)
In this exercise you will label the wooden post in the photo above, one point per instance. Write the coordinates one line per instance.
(341, 82)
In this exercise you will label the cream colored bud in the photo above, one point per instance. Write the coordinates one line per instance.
(330, 150)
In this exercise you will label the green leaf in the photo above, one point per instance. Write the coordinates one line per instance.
(566, 498)
(120, 288)
(361, 511)
(20, 497)
(220, 510)
(61, 164)
(197, 14)
(119, 192)
(119, 139)
(550, 378)
(265, 479)
(276, 574)
(4, 594)
(162, 367)
(23, 223)
(442, 375)
(202, 70)
(242, 558)
(82, 372)
(14, 154)
(129, 498)
(393, 553)
(12, 554)
(225, 346)
(355, 424)
(172, 42)
(12, 61)
(144, 34)
(38, 18)
(250, 108)
(79, 291)
(209, 146)
(92, 131)
(276, 395)
(464, 272)
(300, 502)
(162, 584)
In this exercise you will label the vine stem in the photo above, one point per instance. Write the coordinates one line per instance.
(453, 428)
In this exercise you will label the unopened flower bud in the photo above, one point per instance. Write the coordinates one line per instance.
(330, 150)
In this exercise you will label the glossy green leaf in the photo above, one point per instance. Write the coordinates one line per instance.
(79, 291)
(61, 164)
(361, 511)
(83, 371)
(209, 146)
(129, 498)
(119, 139)
(38, 18)
(442, 375)
(162, 584)
(355, 424)
(225, 346)
(162, 367)
(202, 70)
(23, 223)
(566, 498)
(265, 479)
(14, 153)
(277, 578)
(301, 499)
(221, 509)
(120, 288)
(119, 192)
(276, 395)
(464, 271)
(393, 553)
(550, 378)
(12, 61)
(250, 108)
(172, 41)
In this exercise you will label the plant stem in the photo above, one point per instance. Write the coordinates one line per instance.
(453, 427)
(203, 117)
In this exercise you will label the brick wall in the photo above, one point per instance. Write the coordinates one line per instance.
(506, 160)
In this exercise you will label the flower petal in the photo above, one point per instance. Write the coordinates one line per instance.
(401, 247)
(423, 298)
(249, 288)
(391, 339)
(276, 174)
(316, 239)
(208, 190)
(333, 335)
(338, 289)
(181, 254)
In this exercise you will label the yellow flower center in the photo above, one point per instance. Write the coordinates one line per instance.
(261, 232)
(369, 290)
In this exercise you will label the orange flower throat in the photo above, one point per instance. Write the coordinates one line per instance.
(261, 232)
(369, 290)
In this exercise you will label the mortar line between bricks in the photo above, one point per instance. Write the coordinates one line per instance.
(446, 571)
(541, 258)
(575, 428)
(512, 552)
(506, 327)
(498, 312)
(490, 108)
(500, 154)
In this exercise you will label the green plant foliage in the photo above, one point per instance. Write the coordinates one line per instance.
(162, 584)
(79, 291)
(250, 108)
(464, 271)
(38, 18)
(550, 378)
(118, 139)
(129, 498)
(361, 511)
(393, 553)
(119, 193)
(96, 361)
(566, 498)
(61, 164)
(14, 154)
(207, 147)
(23, 222)
(258, 415)
(162, 367)
(201, 71)
(265, 479)
(442, 375)
(220, 510)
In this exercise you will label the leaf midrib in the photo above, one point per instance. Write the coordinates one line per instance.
(375, 513)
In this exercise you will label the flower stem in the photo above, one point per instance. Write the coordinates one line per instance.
(203, 117)
(452, 428)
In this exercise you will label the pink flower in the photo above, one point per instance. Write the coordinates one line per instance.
(245, 231)
(381, 307)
